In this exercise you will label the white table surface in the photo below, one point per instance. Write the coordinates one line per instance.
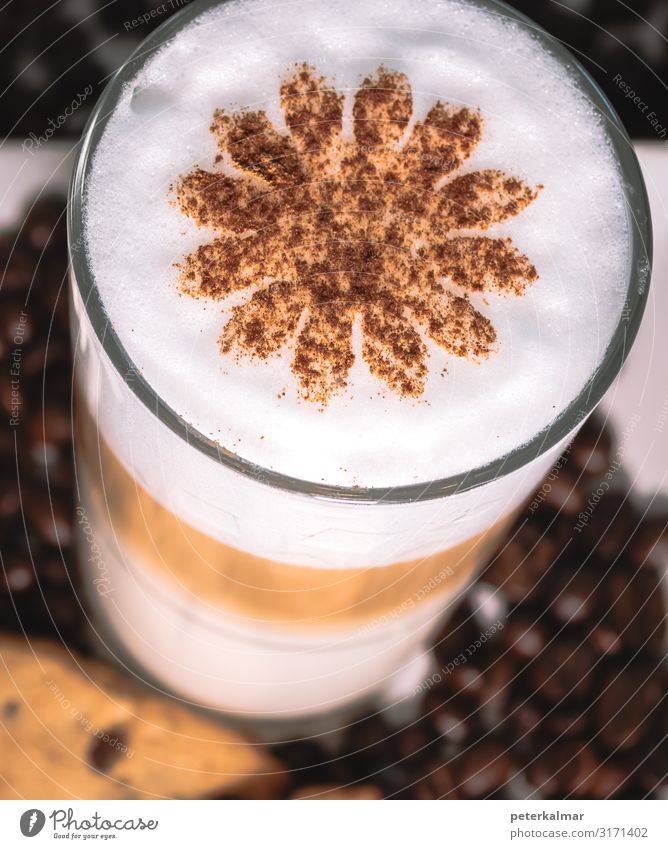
(636, 405)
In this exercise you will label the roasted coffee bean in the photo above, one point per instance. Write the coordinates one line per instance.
(592, 449)
(564, 670)
(7, 443)
(483, 769)
(17, 269)
(610, 781)
(438, 783)
(10, 500)
(50, 515)
(415, 741)
(364, 792)
(458, 634)
(307, 761)
(652, 771)
(53, 570)
(604, 528)
(524, 722)
(525, 635)
(575, 596)
(520, 568)
(573, 769)
(649, 544)
(630, 703)
(64, 609)
(484, 681)
(454, 721)
(43, 359)
(531, 723)
(606, 640)
(49, 430)
(565, 721)
(19, 574)
(564, 769)
(12, 398)
(57, 389)
(370, 746)
(563, 494)
(636, 609)
(45, 225)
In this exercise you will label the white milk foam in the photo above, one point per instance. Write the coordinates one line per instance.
(537, 126)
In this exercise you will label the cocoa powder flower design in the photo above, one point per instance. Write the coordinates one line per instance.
(325, 230)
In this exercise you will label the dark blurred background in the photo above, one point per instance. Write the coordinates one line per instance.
(51, 53)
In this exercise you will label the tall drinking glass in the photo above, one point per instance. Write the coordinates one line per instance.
(248, 590)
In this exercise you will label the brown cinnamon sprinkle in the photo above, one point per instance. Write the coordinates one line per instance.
(326, 231)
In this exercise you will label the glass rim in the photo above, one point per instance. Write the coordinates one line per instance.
(640, 262)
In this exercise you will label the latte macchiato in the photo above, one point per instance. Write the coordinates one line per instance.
(349, 263)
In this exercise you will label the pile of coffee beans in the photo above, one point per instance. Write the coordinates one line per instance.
(38, 575)
(550, 677)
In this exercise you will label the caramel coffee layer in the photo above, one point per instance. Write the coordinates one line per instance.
(257, 587)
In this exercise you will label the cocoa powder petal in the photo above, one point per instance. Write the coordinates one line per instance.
(441, 143)
(313, 112)
(223, 266)
(382, 109)
(324, 352)
(393, 350)
(262, 325)
(480, 264)
(454, 324)
(255, 147)
(480, 199)
(224, 203)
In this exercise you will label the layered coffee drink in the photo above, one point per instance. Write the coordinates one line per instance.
(346, 276)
